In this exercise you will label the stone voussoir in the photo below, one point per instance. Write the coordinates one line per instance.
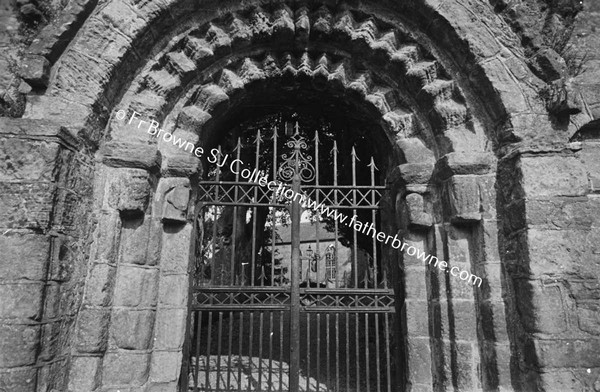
(130, 155)
(462, 163)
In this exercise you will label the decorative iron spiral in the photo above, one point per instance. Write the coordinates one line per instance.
(306, 170)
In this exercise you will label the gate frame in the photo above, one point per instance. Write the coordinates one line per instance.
(298, 168)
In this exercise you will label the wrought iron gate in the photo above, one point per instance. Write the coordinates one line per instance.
(283, 299)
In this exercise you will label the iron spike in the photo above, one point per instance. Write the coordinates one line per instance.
(366, 280)
(372, 164)
(354, 156)
(258, 139)
(238, 147)
(335, 169)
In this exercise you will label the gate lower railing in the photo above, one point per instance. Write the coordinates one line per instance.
(242, 340)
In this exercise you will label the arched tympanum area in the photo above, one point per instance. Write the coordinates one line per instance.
(423, 91)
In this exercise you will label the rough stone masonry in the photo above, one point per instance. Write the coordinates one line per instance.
(490, 113)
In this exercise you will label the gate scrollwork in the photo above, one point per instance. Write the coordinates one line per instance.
(297, 160)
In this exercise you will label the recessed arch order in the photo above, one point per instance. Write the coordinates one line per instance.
(413, 58)
(437, 78)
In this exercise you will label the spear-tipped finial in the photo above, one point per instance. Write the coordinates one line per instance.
(258, 138)
(354, 154)
(372, 164)
(366, 280)
(238, 146)
(263, 275)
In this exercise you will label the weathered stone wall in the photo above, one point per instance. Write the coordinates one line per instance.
(550, 219)
(33, 34)
(46, 192)
(97, 234)
(12, 99)
(584, 45)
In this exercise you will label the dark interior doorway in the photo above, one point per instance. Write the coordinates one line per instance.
(286, 298)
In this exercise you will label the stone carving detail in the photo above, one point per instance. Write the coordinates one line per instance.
(129, 191)
(176, 204)
(561, 98)
(416, 211)
(389, 49)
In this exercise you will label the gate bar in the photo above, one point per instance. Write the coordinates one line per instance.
(295, 281)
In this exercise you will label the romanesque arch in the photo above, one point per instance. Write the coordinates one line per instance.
(212, 66)
(442, 85)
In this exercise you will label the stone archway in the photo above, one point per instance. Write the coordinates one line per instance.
(442, 85)
(474, 51)
(401, 86)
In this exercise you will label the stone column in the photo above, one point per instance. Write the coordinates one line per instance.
(116, 319)
(414, 220)
(171, 207)
(173, 196)
(470, 331)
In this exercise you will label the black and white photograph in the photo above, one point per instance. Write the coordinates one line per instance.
(299, 195)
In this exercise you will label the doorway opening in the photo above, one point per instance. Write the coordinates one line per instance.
(288, 292)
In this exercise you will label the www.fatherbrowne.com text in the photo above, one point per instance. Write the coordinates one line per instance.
(283, 190)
